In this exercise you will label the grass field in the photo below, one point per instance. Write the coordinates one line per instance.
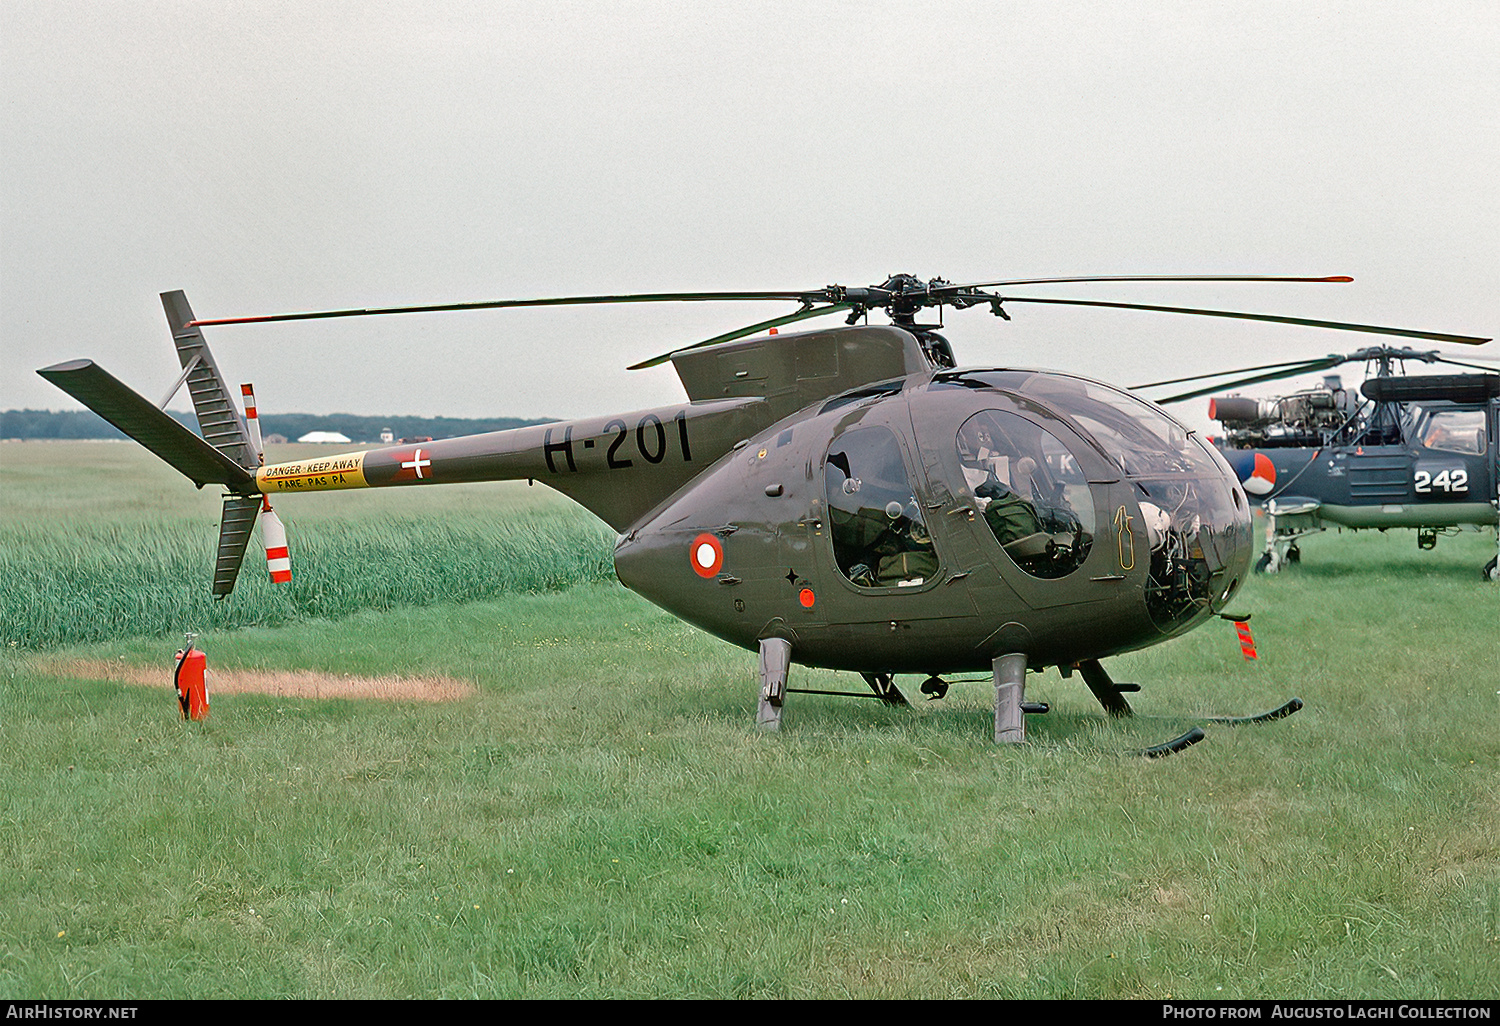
(602, 820)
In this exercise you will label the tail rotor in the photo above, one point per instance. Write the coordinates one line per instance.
(228, 451)
(278, 556)
(272, 531)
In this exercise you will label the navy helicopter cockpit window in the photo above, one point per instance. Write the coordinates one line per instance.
(880, 538)
(1030, 491)
(1453, 430)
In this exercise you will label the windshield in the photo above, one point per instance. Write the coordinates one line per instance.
(1194, 518)
(1453, 430)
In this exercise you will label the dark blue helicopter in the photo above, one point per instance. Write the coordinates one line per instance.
(1417, 452)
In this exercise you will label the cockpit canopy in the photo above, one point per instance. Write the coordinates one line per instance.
(1136, 436)
(1042, 508)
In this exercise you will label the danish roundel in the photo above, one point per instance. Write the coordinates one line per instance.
(706, 555)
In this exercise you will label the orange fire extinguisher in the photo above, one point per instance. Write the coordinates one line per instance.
(192, 688)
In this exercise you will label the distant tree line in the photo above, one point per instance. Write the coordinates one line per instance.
(86, 424)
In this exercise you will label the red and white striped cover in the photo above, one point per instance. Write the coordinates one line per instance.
(278, 556)
(252, 420)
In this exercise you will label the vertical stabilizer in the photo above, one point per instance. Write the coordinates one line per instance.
(234, 536)
(218, 418)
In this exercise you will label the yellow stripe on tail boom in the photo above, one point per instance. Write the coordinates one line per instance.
(324, 474)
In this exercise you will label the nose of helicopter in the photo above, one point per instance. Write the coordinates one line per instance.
(1236, 543)
(1201, 542)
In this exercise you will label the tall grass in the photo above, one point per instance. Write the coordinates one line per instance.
(80, 569)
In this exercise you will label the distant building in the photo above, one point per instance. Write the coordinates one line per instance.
(387, 435)
(330, 437)
(275, 439)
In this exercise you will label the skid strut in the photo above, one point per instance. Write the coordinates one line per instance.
(775, 662)
(884, 686)
(1109, 694)
(1010, 693)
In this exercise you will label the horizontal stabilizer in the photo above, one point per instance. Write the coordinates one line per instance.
(139, 418)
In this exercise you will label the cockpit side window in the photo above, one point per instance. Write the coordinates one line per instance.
(1030, 491)
(880, 537)
(1454, 430)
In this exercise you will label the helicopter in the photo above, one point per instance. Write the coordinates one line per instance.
(1416, 452)
(846, 498)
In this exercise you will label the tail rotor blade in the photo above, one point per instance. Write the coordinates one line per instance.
(252, 421)
(278, 556)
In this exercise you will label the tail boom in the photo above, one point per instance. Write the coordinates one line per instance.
(619, 468)
(498, 456)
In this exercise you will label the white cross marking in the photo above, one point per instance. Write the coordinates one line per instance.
(416, 463)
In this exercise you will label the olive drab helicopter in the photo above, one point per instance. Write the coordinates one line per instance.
(844, 498)
(1417, 452)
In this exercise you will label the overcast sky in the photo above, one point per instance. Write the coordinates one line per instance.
(269, 157)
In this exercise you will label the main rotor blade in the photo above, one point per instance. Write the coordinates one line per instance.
(1339, 278)
(730, 336)
(498, 304)
(1295, 367)
(1306, 368)
(1471, 366)
(1436, 336)
(1221, 374)
(804, 296)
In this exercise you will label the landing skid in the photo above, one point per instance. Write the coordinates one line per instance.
(1196, 734)
(1011, 708)
(1280, 712)
(1173, 746)
(1112, 697)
